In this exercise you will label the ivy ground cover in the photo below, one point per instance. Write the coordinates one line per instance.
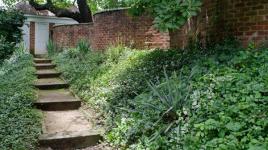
(206, 99)
(19, 124)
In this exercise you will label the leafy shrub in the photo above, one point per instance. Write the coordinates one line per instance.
(6, 49)
(10, 23)
(168, 14)
(19, 124)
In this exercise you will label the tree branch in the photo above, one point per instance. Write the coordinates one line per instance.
(83, 16)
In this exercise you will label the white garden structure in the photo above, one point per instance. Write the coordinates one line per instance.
(37, 30)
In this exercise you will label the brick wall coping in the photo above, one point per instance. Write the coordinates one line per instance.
(99, 12)
(65, 25)
(111, 10)
(47, 17)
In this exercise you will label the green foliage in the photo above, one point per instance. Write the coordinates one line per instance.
(6, 49)
(83, 47)
(51, 48)
(127, 76)
(98, 5)
(10, 21)
(168, 14)
(205, 99)
(81, 50)
(228, 107)
(231, 95)
(57, 3)
(10, 34)
(121, 71)
(62, 3)
(76, 69)
(19, 124)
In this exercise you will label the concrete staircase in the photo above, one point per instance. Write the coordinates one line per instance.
(65, 127)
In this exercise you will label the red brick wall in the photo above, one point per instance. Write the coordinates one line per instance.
(111, 28)
(247, 20)
(69, 35)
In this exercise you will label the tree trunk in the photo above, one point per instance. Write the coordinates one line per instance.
(85, 13)
(83, 16)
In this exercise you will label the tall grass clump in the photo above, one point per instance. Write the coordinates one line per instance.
(51, 48)
(83, 46)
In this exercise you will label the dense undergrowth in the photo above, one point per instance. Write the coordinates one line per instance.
(197, 99)
(19, 123)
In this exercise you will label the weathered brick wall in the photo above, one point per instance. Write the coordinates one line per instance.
(247, 20)
(111, 28)
(69, 35)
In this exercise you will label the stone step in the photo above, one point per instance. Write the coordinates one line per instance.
(56, 100)
(70, 140)
(68, 129)
(40, 56)
(47, 73)
(42, 60)
(50, 83)
(44, 66)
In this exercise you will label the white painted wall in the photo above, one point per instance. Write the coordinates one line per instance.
(41, 37)
(26, 36)
(41, 30)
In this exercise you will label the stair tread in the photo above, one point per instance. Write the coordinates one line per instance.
(40, 66)
(42, 59)
(65, 121)
(50, 96)
(69, 134)
(71, 139)
(49, 81)
(47, 100)
(40, 56)
(44, 64)
(47, 71)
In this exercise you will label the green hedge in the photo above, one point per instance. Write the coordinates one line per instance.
(19, 124)
(210, 99)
